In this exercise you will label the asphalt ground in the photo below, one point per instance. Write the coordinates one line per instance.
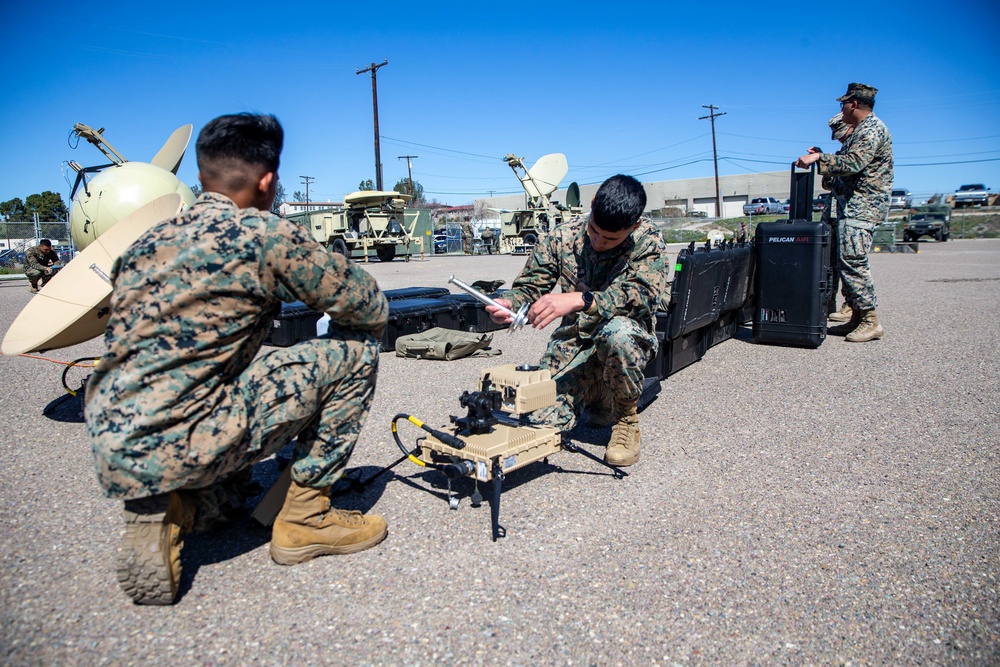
(792, 506)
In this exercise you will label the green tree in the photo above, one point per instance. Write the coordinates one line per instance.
(197, 190)
(366, 185)
(13, 209)
(48, 205)
(403, 185)
(279, 198)
(298, 195)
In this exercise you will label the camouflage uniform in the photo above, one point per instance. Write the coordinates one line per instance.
(178, 401)
(610, 344)
(488, 238)
(864, 168)
(838, 200)
(467, 237)
(36, 261)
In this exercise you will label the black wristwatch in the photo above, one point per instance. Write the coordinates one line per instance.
(588, 300)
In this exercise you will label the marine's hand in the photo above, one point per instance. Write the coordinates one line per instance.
(500, 316)
(553, 306)
(807, 159)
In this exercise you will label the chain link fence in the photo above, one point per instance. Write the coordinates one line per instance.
(17, 237)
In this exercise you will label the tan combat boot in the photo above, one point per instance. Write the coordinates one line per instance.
(623, 449)
(846, 327)
(149, 558)
(308, 527)
(869, 329)
(843, 315)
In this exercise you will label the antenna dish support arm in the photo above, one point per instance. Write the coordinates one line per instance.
(97, 139)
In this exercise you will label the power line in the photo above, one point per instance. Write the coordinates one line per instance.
(715, 159)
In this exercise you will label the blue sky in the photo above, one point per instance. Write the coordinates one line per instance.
(617, 87)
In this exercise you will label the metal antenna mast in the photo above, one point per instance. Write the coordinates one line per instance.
(409, 172)
(378, 159)
(715, 156)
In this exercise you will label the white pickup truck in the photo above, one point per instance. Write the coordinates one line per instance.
(975, 193)
(762, 206)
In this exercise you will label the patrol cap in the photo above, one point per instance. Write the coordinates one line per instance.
(858, 90)
(838, 128)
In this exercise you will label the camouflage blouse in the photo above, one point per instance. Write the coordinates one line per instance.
(864, 166)
(193, 300)
(627, 280)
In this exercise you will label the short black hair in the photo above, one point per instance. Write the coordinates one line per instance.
(45, 242)
(253, 139)
(618, 204)
(865, 101)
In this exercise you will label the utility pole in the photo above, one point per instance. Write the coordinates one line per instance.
(715, 156)
(378, 159)
(307, 180)
(409, 172)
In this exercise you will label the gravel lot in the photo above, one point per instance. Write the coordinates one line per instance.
(828, 506)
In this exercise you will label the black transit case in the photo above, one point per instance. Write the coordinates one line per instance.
(297, 322)
(472, 314)
(701, 276)
(793, 282)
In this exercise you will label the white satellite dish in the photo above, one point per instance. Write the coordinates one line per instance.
(546, 174)
(74, 306)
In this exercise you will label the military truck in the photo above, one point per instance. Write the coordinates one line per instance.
(520, 229)
(929, 220)
(369, 220)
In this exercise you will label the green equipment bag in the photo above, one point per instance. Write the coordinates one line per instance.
(445, 344)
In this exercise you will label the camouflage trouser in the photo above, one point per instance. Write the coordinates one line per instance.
(34, 277)
(467, 245)
(614, 357)
(855, 240)
(319, 390)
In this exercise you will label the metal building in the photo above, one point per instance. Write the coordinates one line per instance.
(692, 196)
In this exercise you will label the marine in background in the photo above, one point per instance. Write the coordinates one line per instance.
(180, 407)
(610, 271)
(38, 261)
(865, 169)
(839, 131)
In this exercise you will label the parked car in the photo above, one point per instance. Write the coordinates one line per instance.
(900, 198)
(974, 193)
(821, 202)
(440, 244)
(786, 206)
(762, 206)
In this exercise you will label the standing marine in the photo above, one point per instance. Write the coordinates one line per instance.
(181, 406)
(865, 169)
(467, 236)
(610, 268)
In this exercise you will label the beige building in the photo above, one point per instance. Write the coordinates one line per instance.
(692, 195)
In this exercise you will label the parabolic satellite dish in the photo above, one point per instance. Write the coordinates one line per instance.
(121, 187)
(544, 177)
(573, 195)
(74, 306)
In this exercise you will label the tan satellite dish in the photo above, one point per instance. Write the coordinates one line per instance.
(116, 190)
(115, 193)
(169, 157)
(74, 306)
(544, 177)
(373, 197)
